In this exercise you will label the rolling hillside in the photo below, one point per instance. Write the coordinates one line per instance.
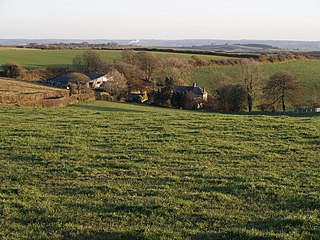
(32, 58)
(105, 170)
(308, 71)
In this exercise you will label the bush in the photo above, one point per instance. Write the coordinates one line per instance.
(199, 62)
(231, 98)
(44, 73)
(13, 70)
(117, 87)
(78, 83)
(104, 96)
(90, 62)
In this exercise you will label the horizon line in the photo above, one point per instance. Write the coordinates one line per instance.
(164, 39)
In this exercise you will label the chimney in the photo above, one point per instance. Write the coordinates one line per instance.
(194, 85)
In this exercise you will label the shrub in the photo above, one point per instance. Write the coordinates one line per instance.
(13, 70)
(231, 98)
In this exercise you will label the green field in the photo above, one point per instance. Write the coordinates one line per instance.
(308, 71)
(32, 58)
(105, 170)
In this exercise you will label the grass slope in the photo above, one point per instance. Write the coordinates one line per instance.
(31, 58)
(105, 170)
(307, 71)
(12, 87)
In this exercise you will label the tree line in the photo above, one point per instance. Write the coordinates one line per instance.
(256, 90)
(135, 71)
(147, 72)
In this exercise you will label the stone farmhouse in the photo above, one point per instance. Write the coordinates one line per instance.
(200, 96)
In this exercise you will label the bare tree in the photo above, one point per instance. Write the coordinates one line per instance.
(134, 75)
(283, 87)
(90, 62)
(176, 69)
(128, 56)
(252, 77)
(217, 80)
(150, 64)
(116, 87)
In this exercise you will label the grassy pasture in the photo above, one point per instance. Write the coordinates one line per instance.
(32, 58)
(104, 170)
(308, 71)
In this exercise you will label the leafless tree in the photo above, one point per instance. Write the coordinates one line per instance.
(90, 62)
(116, 87)
(128, 56)
(217, 80)
(149, 64)
(252, 78)
(134, 75)
(176, 69)
(283, 88)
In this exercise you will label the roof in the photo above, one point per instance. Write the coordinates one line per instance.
(94, 76)
(196, 90)
(62, 81)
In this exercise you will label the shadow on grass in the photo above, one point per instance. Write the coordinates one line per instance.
(304, 202)
(122, 209)
(271, 114)
(277, 225)
(135, 235)
(103, 236)
(120, 109)
(230, 235)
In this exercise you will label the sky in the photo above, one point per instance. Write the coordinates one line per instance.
(161, 19)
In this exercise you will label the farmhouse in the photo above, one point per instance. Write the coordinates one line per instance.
(200, 96)
(96, 80)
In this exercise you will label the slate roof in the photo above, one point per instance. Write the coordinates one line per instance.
(196, 90)
(62, 81)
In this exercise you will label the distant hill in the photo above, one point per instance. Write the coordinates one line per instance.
(289, 45)
(239, 47)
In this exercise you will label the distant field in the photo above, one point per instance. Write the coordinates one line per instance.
(307, 71)
(105, 170)
(31, 58)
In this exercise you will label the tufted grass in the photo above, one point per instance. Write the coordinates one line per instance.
(104, 170)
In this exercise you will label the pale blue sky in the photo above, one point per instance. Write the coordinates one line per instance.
(161, 19)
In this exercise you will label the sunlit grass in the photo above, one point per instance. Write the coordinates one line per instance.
(106, 170)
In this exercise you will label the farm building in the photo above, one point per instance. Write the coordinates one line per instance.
(96, 80)
(200, 96)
